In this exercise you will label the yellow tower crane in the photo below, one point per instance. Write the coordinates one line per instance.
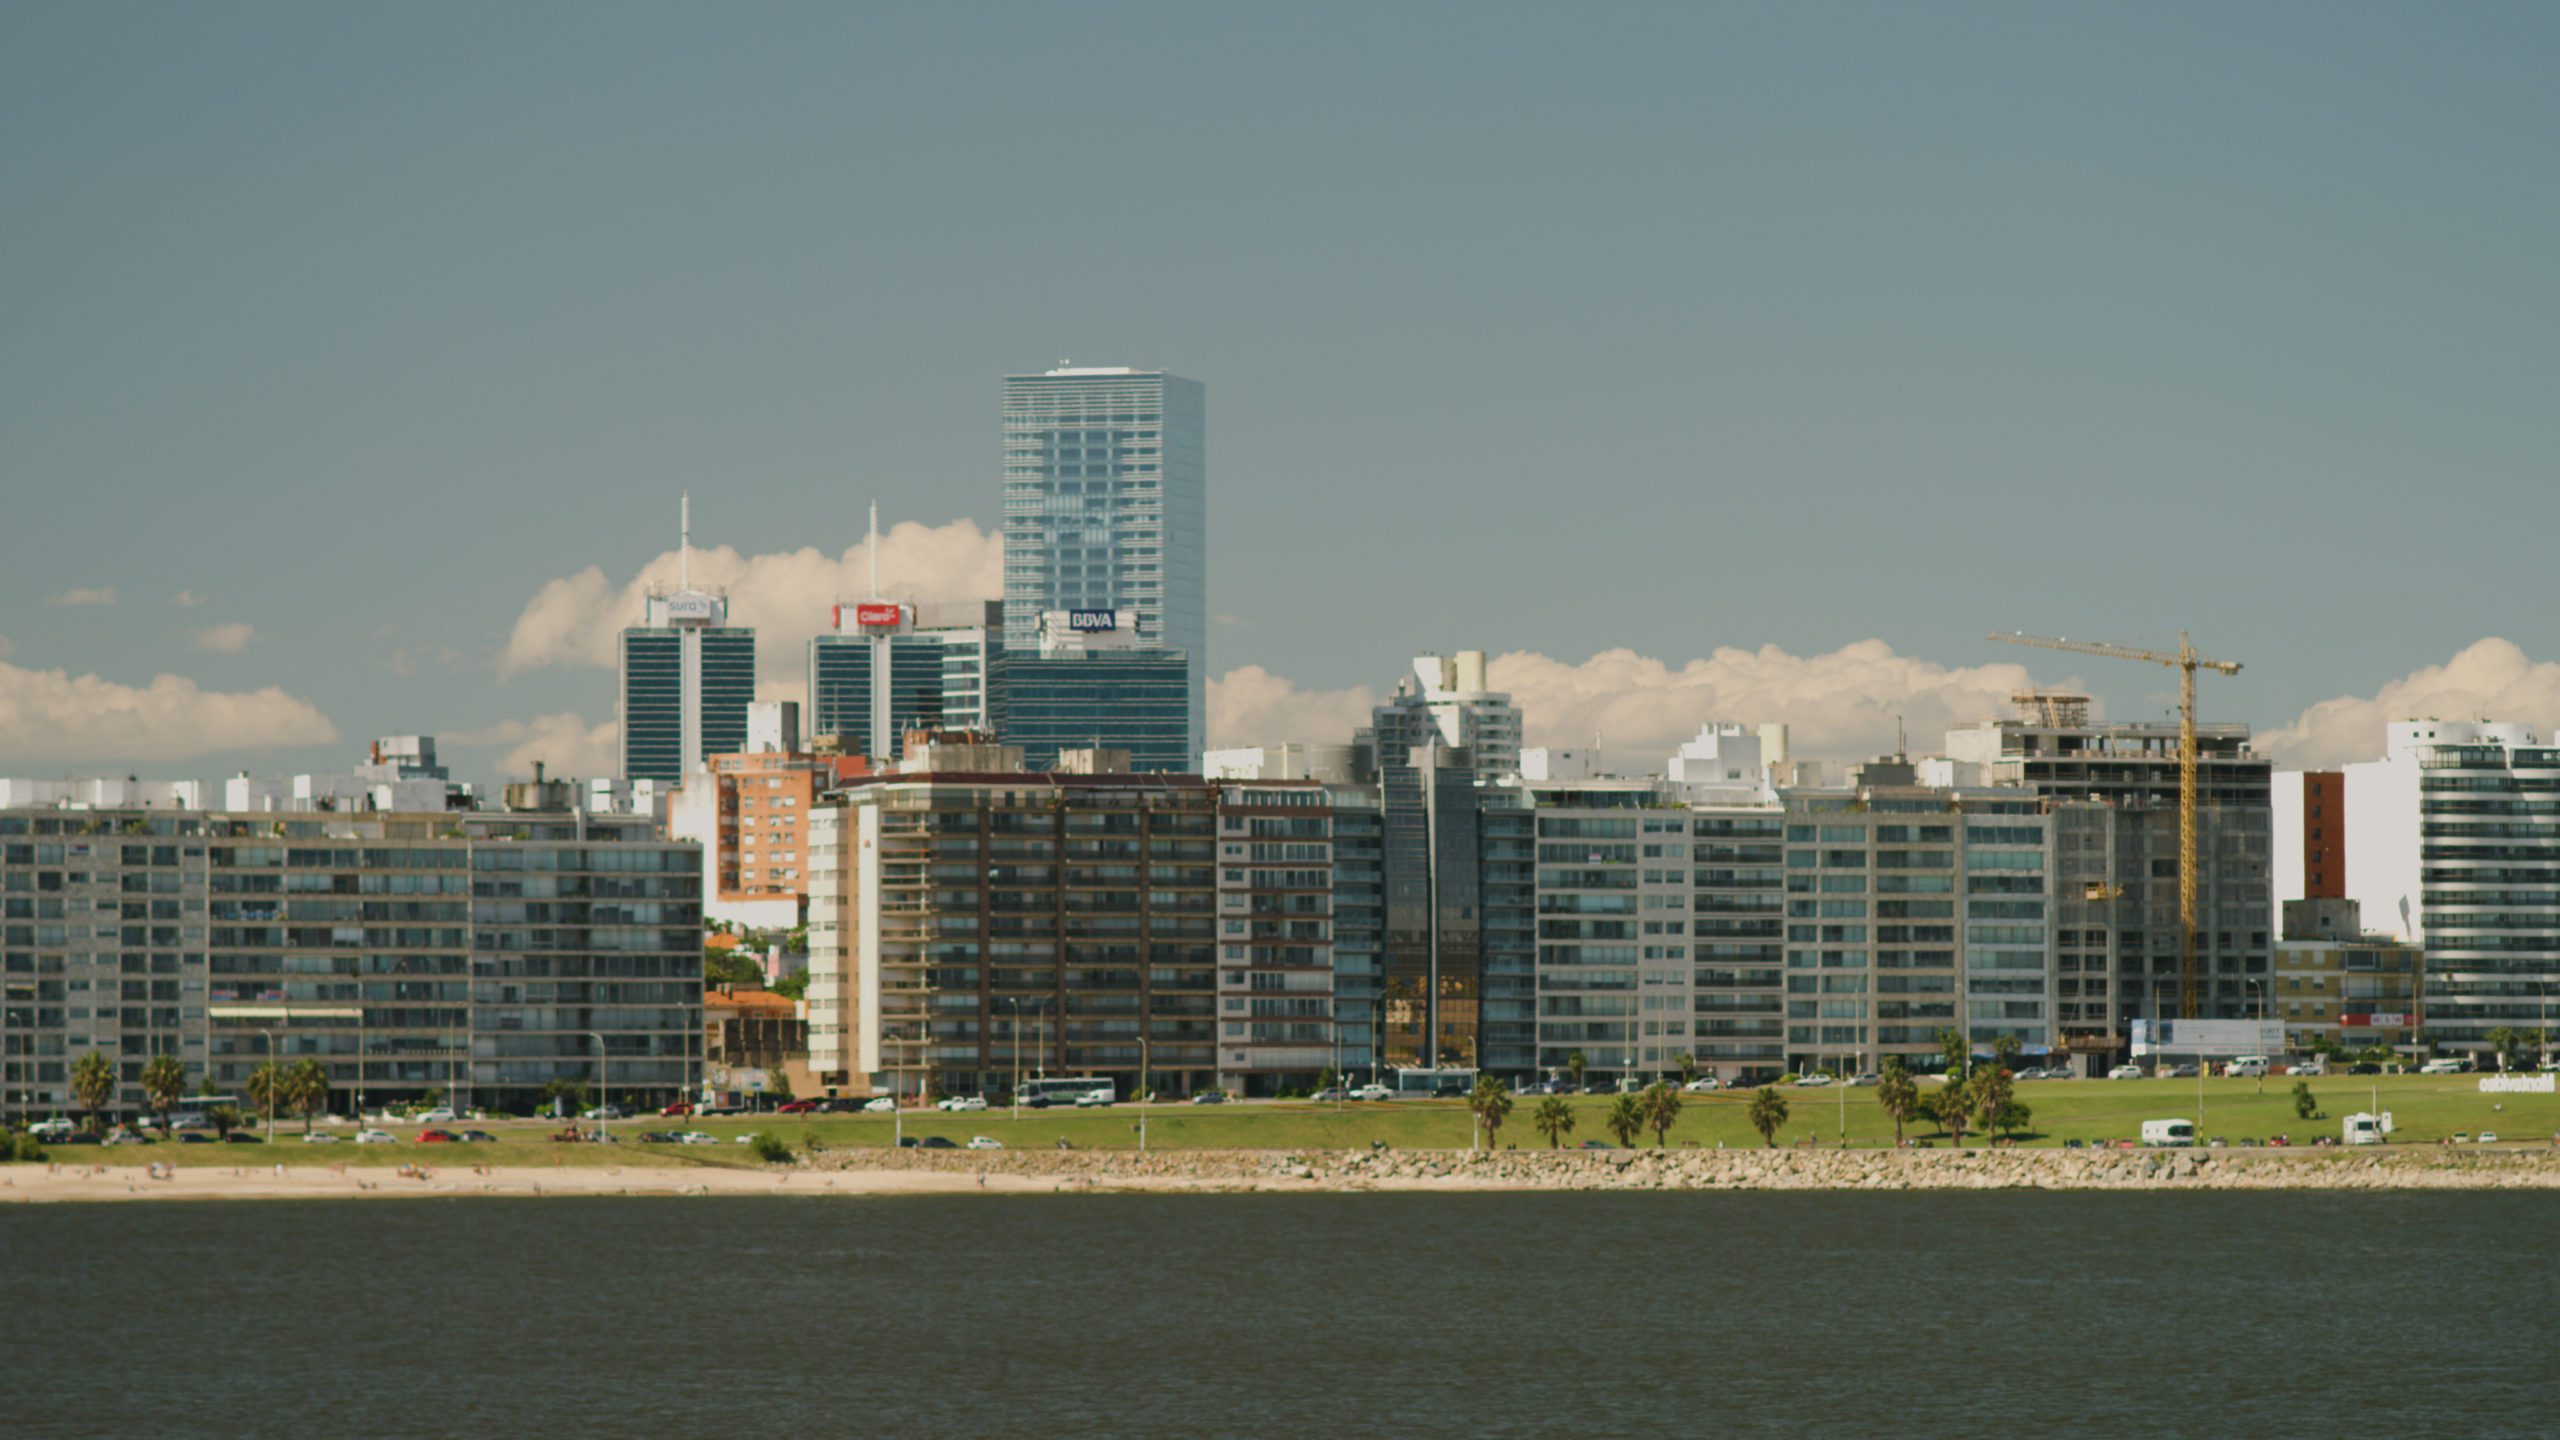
(2186, 662)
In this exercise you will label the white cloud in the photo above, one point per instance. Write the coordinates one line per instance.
(2491, 678)
(54, 716)
(567, 746)
(187, 599)
(785, 595)
(1251, 706)
(228, 639)
(83, 595)
(1843, 703)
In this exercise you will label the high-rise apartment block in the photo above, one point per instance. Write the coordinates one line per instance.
(482, 955)
(688, 676)
(1106, 509)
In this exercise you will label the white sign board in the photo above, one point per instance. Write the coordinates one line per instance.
(2209, 1038)
(2518, 1084)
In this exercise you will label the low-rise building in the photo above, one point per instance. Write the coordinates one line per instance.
(2338, 982)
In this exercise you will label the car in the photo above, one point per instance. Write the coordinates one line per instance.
(1869, 1078)
(441, 1115)
(1565, 1087)
(2074, 1143)
(1813, 1081)
(2125, 1072)
(2488, 1137)
(680, 1107)
(2182, 1072)
(1703, 1084)
(1210, 1097)
(601, 1112)
(881, 1104)
(1093, 1099)
(938, 1142)
(2444, 1067)
(958, 1103)
(698, 1137)
(319, 1137)
(657, 1137)
(243, 1137)
(436, 1137)
(1598, 1145)
(79, 1137)
(131, 1137)
(194, 1137)
(985, 1142)
(1328, 1095)
(55, 1129)
(795, 1107)
(2307, 1067)
(374, 1137)
(1373, 1092)
(476, 1137)
(2364, 1067)
(1448, 1090)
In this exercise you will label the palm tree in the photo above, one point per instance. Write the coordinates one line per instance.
(224, 1119)
(1626, 1119)
(1661, 1108)
(1575, 1063)
(1554, 1120)
(163, 1081)
(1992, 1090)
(1491, 1102)
(1688, 1068)
(2506, 1040)
(307, 1089)
(93, 1084)
(1768, 1112)
(1899, 1094)
(266, 1090)
(1951, 1044)
(1951, 1107)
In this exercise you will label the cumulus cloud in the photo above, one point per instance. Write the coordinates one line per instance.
(1251, 706)
(187, 599)
(228, 639)
(54, 716)
(83, 595)
(567, 746)
(786, 595)
(2491, 678)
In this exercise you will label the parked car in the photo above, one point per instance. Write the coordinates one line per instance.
(319, 1137)
(441, 1115)
(795, 1107)
(939, 1142)
(2125, 1072)
(193, 1137)
(657, 1137)
(1703, 1084)
(2488, 1137)
(130, 1137)
(681, 1107)
(2182, 1072)
(957, 1104)
(2364, 1067)
(1210, 1097)
(1091, 1100)
(697, 1137)
(374, 1137)
(1869, 1078)
(436, 1137)
(54, 1129)
(1598, 1145)
(476, 1137)
(1327, 1095)
(985, 1142)
(601, 1112)
(1373, 1092)
(2446, 1066)
(881, 1104)
(1814, 1080)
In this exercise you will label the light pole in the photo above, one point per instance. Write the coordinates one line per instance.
(2262, 1026)
(1143, 1093)
(604, 1099)
(273, 1075)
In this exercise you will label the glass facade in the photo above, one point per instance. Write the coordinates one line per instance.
(1133, 700)
(652, 705)
(1106, 507)
(660, 665)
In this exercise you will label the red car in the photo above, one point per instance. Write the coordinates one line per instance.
(796, 1107)
(436, 1137)
(681, 1107)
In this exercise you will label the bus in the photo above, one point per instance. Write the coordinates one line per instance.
(1069, 1090)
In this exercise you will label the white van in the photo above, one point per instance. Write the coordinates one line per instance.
(2362, 1129)
(2446, 1066)
(2247, 1067)
(2169, 1134)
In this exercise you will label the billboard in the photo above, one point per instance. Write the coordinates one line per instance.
(877, 615)
(2378, 1020)
(2201, 1038)
(2541, 1084)
(1089, 621)
(690, 605)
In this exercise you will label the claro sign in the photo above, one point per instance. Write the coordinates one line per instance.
(874, 617)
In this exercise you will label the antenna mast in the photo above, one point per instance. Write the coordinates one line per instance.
(684, 541)
(872, 547)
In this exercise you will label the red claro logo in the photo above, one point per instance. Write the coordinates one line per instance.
(872, 617)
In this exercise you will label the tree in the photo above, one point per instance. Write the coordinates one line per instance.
(267, 1089)
(1688, 1068)
(93, 1084)
(1899, 1094)
(728, 967)
(792, 986)
(1554, 1120)
(2506, 1040)
(306, 1089)
(1768, 1112)
(1661, 1104)
(1326, 1079)
(1951, 1107)
(1626, 1119)
(2005, 1048)
(1993, 1090)
(1951, 1045)
(2013, 1118)
(556, 1090)
(1575, 1064)
(777, 1085)
(2305, 1104)
(224, 1119)
(163, 1081)
(1491, 1102)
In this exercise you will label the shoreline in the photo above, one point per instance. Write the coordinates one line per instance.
(1323, 1172)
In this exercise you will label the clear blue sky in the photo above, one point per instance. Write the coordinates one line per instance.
(1537, 327)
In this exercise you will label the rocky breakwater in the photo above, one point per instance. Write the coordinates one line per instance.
(2413, 1168)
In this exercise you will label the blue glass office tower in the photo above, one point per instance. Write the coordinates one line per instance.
(688, 677)
(1106, 508)
(1133, 700)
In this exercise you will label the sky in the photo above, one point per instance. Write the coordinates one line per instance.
(1736, 362)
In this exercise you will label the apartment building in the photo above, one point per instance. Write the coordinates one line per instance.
(482, 955)
(2337, 981)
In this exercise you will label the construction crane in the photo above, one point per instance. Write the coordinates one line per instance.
(2186, 662)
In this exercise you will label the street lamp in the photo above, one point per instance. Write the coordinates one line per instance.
(273, 1076)
(604, 1098)
(2262, 1026)
(1143, 1093)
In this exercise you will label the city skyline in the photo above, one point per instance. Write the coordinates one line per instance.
(1917, 346)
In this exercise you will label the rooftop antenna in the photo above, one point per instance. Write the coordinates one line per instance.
(872, 545)
(684, 541)
(1899, 743)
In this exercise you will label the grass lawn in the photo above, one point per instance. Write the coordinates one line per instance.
(2425, 1108)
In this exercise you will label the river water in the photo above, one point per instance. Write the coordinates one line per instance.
(1907, 1314)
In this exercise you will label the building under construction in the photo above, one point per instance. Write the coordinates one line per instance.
(2114, 795)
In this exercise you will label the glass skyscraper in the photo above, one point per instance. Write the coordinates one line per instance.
(1106, 508)
(688, 677)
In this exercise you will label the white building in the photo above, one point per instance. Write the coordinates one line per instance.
(1329, 763)
(1486, 722)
